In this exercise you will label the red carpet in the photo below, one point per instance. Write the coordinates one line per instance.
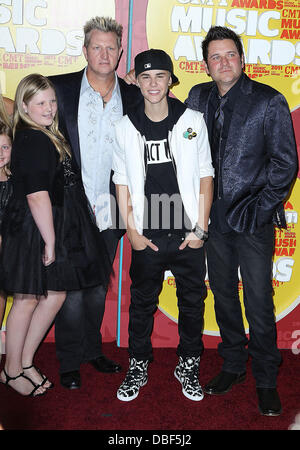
(160, 405)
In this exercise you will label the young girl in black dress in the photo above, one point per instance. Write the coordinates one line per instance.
(50, 237)
(5, 194)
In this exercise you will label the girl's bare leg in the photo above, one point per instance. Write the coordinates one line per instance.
(28, 321)
(43, 316)
(18, 323)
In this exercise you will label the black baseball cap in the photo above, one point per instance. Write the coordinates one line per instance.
(154, 59)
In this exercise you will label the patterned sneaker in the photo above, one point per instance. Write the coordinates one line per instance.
(136, 377)
(186, 373)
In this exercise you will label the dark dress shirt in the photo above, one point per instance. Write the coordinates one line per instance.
(218, 210)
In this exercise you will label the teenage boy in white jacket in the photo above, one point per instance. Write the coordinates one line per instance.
(164, 182)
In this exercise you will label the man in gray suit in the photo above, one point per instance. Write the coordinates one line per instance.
(254, 156)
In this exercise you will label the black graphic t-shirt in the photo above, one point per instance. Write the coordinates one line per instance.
(164, 210)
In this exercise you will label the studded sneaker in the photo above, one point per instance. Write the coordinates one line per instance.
(136, 377)
(186, 372)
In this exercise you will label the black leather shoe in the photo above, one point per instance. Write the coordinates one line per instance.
(223, 382)
(268, 401)
(103, 364)
(70, 380)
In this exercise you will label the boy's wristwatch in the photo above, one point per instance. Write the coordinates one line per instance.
(201, 234)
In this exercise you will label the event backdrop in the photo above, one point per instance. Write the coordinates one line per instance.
(46, 37)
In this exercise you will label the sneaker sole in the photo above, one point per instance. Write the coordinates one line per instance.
(128, 399)
(190, 397)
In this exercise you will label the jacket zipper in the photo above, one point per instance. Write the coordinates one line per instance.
(171, 153)
(142, 141)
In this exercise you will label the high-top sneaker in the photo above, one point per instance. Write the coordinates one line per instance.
(186, 372)
(136, 377)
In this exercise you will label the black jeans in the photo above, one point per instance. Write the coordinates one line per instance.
(147, 273)
(77, 325)
(253, 254)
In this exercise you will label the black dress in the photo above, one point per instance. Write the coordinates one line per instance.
(5, 194)
(81, 259)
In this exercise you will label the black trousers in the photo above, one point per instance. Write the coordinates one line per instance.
(147, 273)
(77, 325)
(253, 254)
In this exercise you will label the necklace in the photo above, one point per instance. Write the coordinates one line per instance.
(103, 96)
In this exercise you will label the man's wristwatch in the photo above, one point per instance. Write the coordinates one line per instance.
(201, 234)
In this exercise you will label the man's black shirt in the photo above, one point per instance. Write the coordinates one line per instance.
(164, 210)
(218, 210)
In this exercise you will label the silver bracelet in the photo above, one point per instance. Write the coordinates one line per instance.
(201, 234)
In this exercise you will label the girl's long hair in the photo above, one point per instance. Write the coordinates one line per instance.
(4, 117)
(27, 88)
(6, 130)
